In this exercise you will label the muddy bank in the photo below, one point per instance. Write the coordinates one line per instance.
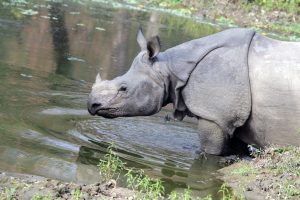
(22, 186)
(245, 14)
(231, 13)
(273, 174)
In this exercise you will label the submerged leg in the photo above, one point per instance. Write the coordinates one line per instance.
(212, 139)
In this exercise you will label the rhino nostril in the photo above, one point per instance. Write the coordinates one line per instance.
(95, 106)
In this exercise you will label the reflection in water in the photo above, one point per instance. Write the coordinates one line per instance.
(48, 62)
(60, 38)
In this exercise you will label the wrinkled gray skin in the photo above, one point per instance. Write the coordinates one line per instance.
(237, 83)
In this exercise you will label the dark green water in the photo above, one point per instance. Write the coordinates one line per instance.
(49, 57)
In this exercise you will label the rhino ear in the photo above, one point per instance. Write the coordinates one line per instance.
(98, 78)
(153, 47)
(141, 40)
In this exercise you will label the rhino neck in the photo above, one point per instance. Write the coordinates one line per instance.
(163, 76)
(172, 86)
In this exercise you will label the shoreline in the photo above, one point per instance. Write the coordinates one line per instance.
(224, 13)
(274, 173)
(27, 187)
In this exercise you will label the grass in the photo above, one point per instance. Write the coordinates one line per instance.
(111, 166)
(227, 194)
(286, 160)
(225, 21)
(169, 3)
(274, 172)
(42, 197)
(8, 194)
(291, 6)
(145, 187)
(244, 171)
(186, 195)
(283, 5)
(265, 11)
(290, 190)
(77, 194)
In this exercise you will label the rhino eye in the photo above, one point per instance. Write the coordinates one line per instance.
(123, 88)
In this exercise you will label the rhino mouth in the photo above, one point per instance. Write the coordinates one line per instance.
(107, 112)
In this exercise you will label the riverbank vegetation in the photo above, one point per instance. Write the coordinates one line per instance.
(144, 187)
(291, 6)
(112, 169)
(280, 17)
(273, 174)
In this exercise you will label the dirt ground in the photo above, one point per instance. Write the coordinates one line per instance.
(239, 13)
(23, 187)
(244, 15)
(273, 174)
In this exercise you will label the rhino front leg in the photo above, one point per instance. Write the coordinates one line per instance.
(212, 139)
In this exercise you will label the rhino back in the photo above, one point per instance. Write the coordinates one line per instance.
(274, 70)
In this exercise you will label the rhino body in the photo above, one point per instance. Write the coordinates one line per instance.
(274, 71)
(237, 83)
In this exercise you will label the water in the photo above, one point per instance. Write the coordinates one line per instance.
(50, 53)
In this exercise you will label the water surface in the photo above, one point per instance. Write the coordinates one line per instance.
(50, 54)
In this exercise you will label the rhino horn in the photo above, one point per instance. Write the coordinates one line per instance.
(98, 78)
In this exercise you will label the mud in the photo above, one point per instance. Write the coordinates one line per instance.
(272, 174)
(23, 187)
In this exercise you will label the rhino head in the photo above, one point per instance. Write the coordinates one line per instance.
(139, 92)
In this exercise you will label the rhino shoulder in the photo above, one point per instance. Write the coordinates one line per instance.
(213, 77)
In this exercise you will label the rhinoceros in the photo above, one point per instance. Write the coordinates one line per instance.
(237, 83)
